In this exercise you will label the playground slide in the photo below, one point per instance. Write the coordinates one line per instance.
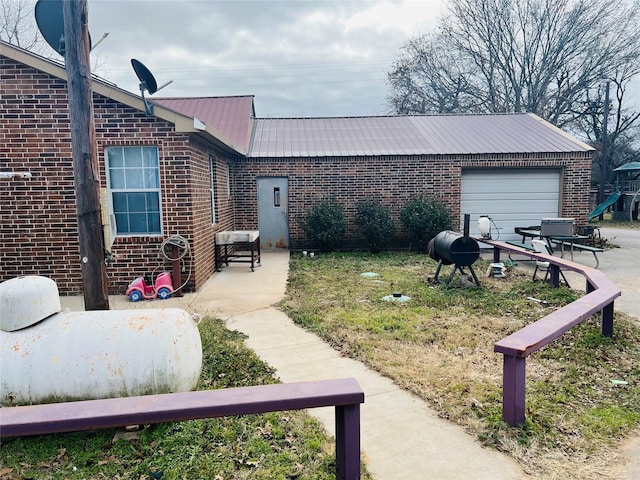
(603, 206)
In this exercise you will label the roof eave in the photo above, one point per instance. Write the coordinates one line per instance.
(581, 144)
(183, 123)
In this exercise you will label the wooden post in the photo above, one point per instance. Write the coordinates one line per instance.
(607, 320)
(513, 389)
(348, 442)
(85, 160)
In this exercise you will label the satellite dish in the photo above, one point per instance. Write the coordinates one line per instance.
(147, 83)
(147, 80)
(50, 21)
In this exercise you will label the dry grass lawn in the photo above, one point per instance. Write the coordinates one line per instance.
(583, 390)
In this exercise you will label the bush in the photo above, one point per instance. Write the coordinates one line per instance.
(325, 224)
(374, 224)
(424, 217)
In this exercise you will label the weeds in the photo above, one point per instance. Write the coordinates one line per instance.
(439, 346)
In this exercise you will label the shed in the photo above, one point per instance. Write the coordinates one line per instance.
(516, 168)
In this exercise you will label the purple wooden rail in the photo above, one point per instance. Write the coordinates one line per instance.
(345, 394)
(600, 296)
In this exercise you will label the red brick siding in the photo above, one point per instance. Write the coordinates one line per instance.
(204, 231)
(39, 225)
(394, 180)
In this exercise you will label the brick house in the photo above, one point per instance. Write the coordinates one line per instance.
(163, 175)
(199, 166)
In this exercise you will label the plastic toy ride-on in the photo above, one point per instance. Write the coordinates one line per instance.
(163, 288)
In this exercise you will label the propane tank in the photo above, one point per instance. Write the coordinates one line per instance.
(52, 356)
(100, 354)
(27, 300)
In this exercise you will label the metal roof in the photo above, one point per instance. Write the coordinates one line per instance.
(628, 167)
(409, 135)
(231, 116)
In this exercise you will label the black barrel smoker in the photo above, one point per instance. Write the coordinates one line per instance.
(455, 248)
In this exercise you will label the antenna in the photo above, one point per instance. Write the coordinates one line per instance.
(50, 21)
(104, 35)
(147, 83)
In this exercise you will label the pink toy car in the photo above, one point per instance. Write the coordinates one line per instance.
(138, 289)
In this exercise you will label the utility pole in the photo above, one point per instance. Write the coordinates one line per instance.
(85, 160)
(604, 151)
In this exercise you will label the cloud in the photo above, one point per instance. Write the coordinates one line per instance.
(299, 58)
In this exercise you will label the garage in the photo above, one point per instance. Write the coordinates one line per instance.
(510, 197)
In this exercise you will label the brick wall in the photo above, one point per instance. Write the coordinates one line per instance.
(394, 180)
(39, 225)
(39, 221)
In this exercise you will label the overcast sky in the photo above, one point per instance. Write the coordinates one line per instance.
(299, 58)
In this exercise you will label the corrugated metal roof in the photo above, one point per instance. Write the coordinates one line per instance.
(408, 135)
(231, 116)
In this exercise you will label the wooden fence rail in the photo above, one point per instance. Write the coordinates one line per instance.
(344, 394)
(600, 296)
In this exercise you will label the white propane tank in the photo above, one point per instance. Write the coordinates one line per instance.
(27, 300)
(100, 354)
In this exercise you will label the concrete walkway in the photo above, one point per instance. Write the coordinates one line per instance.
(402, 438)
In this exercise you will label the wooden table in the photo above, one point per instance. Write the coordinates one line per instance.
(226, 248)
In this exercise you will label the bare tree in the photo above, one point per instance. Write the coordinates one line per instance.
(549, 57)
(537, 56)
(616, 138)
(17, 25)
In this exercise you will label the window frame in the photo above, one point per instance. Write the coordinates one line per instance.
(212, 188)
(143, 189)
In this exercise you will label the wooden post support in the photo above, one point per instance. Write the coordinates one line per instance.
(607, 321)
(513, 389)
(85, 161)
(554, 275)
(348, 442)
(496, 254)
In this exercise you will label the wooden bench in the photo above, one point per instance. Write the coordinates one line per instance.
(580, 247)
(600, 296)
(345, 394)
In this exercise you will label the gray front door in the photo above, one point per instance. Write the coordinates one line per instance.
(273, 212)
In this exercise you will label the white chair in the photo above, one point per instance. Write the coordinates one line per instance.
(540, 246)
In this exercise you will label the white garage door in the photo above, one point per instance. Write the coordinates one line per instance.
(511, 197)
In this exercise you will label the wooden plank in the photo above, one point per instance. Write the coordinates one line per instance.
(147, 409)
(560, 262)
(536, 335)
(601, 293)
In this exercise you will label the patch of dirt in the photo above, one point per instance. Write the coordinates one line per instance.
(630, 468)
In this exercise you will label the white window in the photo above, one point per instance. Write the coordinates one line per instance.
(133, 175)
(212, 186)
